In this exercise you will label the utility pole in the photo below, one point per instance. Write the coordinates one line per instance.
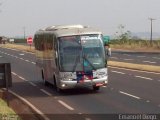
(151, 19)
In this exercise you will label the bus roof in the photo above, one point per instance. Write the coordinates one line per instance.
(69, 30)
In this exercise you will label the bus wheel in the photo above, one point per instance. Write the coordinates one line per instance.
(95, 88)
(42, 73)
(56, 86)
(45, 82)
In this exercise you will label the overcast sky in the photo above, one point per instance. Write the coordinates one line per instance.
(106, 15)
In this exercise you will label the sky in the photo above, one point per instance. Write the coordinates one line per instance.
(17, 16)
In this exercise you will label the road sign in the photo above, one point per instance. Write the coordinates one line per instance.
(106, 39)
(29, 40)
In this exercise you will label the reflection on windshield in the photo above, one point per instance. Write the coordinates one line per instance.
(81, 53)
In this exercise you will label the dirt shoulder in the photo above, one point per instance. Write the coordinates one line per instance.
(149, 68)
(137, 50)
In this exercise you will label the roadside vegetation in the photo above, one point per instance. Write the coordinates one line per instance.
(124, 40)
(19, 47)
(4, 109)
(136, 45)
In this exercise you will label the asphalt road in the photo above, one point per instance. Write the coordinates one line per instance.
(135, 57)
(128, 91)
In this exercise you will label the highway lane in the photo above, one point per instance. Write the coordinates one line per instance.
(146, 85)
(126, 93)
(23, 55)
(129, 57)
(138, 58)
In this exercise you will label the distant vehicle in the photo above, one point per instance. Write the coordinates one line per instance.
(71, 56)
(11, 40)
(3, 39)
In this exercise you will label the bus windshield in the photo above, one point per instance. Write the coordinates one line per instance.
(81, 53)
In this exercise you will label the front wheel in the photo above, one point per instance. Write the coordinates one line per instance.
(56, 86)
(95, 88)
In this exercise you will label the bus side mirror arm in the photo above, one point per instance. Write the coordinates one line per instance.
(109, 52)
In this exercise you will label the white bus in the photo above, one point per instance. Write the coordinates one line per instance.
(71, 56)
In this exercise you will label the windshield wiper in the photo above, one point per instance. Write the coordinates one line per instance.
(89, 62)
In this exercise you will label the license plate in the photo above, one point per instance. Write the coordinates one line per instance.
(99, 84)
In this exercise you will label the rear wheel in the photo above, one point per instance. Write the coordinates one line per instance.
(45, 82)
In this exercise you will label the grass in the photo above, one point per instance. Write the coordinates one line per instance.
(4, 109)
(7, 113)
(19, 47)
(136, 45)
(150, 68)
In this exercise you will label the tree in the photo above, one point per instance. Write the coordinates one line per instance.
(122, 35)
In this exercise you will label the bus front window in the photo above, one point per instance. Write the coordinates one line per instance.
(81, 53)
(70, 54)
(93, 51)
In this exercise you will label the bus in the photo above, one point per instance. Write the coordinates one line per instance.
(71, 56)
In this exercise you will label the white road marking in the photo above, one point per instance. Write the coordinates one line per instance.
(159, 80)
(33, 62)
(12, 55)
(147, 101)
(32, 84)
(32, 106)
(144, 77)
(47, 93)
(65, 105)
(135, 70)
(13, 73)
(141, 56)
(21, 54)
(156, 57)
(127, 54)
(27, 60)
(129, 95)
(117, 72)
(1, 56)
(128, 59)
(114, 57)
(149, 62)
(11, 49)
(20, 50)
(21, 58)
(22, 78)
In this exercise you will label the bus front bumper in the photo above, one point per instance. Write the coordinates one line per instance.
(89, 83)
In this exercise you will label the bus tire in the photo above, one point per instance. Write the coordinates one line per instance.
(96, 88)
(45, 82)
(55, 85)
(42, 73)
